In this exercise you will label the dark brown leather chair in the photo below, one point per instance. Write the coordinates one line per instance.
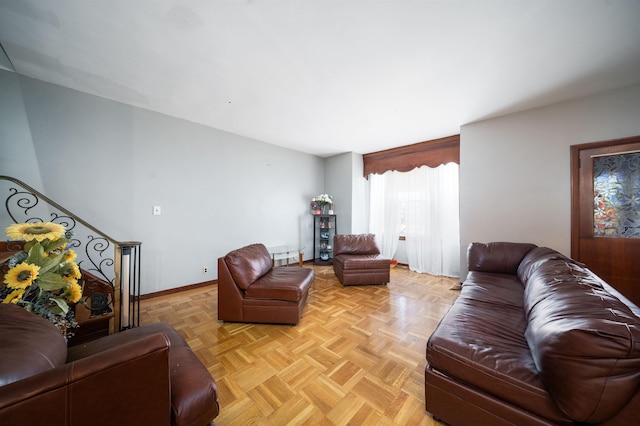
(357, 260)
(250, 289)
(143, 376)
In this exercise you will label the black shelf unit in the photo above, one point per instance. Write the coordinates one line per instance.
(324, 229)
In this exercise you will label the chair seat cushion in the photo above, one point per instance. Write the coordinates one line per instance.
(362, 261)
(288, 283)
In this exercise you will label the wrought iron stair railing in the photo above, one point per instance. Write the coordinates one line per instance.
(102, 259)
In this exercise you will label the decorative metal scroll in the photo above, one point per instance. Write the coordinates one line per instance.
(93, 251)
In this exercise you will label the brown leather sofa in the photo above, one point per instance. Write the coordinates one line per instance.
(250, 289)
(357, 260)
(534, 338)
(144, 376)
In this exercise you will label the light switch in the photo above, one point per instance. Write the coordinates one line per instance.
(157, 210)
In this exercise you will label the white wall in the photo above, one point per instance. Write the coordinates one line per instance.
(360, 196)
(350, 191)
(338, 176)
(109, 163)
(17, 153)
(515, 169)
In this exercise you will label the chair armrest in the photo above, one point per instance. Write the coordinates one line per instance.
(126, 384)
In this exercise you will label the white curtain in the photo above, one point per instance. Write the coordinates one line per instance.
(385, 206)
(429, 201)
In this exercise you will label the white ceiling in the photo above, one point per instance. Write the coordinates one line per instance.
(327, 76)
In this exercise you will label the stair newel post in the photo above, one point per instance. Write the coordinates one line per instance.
(137, 282)
(125, 288)
(117, 288)
(128, 274)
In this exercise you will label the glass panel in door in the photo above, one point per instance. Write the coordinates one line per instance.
(616, 188)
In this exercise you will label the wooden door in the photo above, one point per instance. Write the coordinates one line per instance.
(605, 216)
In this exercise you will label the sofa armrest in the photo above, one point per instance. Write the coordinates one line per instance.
(230, 296)
(498, 257)
(194, 394)
(126, 384)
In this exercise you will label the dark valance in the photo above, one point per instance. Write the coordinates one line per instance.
(402, 159)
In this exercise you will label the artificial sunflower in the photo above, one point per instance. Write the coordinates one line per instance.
(70, 256)
(71, 272)
(38, 231)
(43, 278)
(75, 270)
(70, 279)
(73, 293)
(14, 296)
(21, 276)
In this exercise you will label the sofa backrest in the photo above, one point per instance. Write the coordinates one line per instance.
(536, 258)
(247, 264)
(498, 257)
(584, 340)
(355, 244)
(29, 344)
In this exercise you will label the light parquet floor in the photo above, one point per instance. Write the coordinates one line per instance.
(357, 357)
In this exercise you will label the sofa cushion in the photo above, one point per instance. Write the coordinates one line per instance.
(247, 264)
(584, 340)
(500, 257)
(29, 344)
(480, 342)
(355, 244)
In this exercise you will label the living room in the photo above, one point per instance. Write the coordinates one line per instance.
(110, 163)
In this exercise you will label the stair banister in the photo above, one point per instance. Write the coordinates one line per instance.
(125, 276)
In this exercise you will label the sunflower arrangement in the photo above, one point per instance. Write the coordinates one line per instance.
(44, 277)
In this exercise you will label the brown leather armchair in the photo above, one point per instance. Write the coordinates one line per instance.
(357, 260)
(143, 376)
(250, 289)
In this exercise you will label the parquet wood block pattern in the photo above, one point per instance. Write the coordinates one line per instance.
(357, 357)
